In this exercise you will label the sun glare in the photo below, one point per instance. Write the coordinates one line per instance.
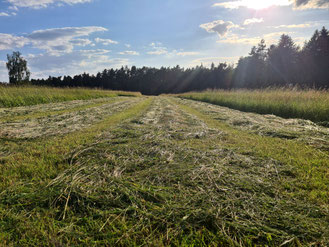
(263, 4)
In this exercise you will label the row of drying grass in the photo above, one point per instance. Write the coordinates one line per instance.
(163, 172)
(306, 104)
(11, 96)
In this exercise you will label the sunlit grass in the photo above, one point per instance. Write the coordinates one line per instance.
(162, 172)
(22, 96)
(309, 104)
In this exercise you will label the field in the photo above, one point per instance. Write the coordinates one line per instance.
(11, 96)
(306, 104)
(160, 171)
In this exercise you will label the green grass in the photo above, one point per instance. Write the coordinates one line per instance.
(311, 104)
(11, 96)
(162, 171)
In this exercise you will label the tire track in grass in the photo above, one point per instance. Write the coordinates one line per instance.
(170, 177)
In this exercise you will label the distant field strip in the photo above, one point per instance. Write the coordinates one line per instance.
(24, 96)
(309, 104)
(163, 171)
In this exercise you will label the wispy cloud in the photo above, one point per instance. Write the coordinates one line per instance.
(59, 40)
(106, 41)
(8, 41)
(77, 62)
(253, 21)
(157, 49)
(294, 26)
(131, 53)
(4, 14)
(37, 4)
(252, 4)
(187, 53)
(298, 4)
(54, 41)
(270, 38)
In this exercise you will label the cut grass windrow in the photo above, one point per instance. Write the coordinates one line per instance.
(62, 123)
(312, 164)
(8, 115)
(43, 154)
(161, 173)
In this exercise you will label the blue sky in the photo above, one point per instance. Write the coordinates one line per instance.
(67, 37)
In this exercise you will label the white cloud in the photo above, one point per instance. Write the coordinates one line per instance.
(8, 41)
(55, 41)
(81, 42)
(293, 26)
(14, 8)
(59, 40)
(77, 62)
(253, 4)
(37, 4)
(106, 41)
(132, 53)
(256, 4)
(157, 49)
(270, 38)
(187, 53)
(220, 27)
(4, 14)
(253, 21)
(127, 45)
(64, 33)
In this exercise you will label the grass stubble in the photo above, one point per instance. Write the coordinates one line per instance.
(165, 171)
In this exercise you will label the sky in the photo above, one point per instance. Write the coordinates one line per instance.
(68, 37)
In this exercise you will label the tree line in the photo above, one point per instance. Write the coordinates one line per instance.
(279, 65)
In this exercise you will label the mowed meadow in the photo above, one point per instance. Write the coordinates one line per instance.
(217, 168)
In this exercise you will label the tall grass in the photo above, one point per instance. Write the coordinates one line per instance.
(306, 104)
(31, 95)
